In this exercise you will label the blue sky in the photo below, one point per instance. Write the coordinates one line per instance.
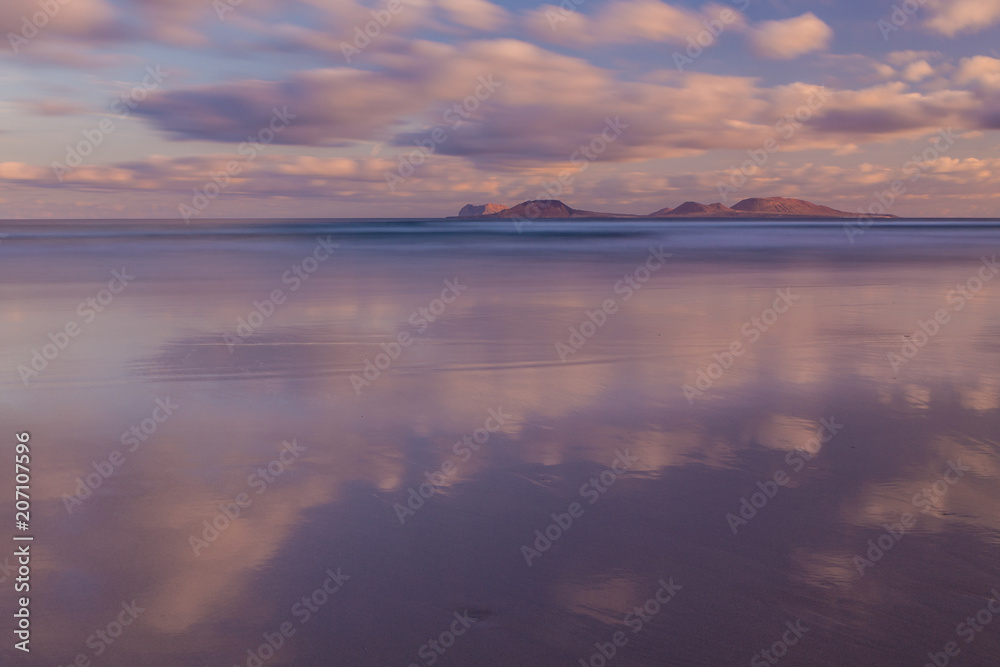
(270, 108)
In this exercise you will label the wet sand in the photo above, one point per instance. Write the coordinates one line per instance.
(453, 444)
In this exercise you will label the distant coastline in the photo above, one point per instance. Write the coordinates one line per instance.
(753, 207)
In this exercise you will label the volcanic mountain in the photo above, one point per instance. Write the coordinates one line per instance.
(692, 209)
(786, 206)
(754, 207)
(536, 209)
(470, 210)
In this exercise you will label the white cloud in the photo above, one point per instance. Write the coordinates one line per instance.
(788, 39)
(77, 17)
(950, 17)
(628, 21)
(980, 70)
(478, 14)
(900, 58)
(545, 105)
(918, 71)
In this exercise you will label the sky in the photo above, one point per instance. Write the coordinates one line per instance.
(202, 109)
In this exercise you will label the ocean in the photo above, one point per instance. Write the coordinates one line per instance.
(431, 442)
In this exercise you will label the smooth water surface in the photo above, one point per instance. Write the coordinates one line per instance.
(433, 488)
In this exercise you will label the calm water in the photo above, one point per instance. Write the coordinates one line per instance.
(514, 481)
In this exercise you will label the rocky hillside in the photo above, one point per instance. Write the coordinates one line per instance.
(786, 206)
(537, 209)
(692, 209)
(754, 207)
(470, 210)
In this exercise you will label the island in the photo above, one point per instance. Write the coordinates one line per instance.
(753, 207)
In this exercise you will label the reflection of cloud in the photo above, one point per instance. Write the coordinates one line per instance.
(195, 588)
(605, 599)
(917, 397)
(984, 397)
(822, 569)
(788, 433)
(496, 349)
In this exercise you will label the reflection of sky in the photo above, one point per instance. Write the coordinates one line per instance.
(495, 348)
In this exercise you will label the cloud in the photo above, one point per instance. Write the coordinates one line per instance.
(950, 17)
(791, 38)
(20, 171)
(76, 18)
(477, 14)
(981, 71)
(918, 71)
(522, 103)
(901, 58)
(892, 110)
(542, 107)
(328, 107)
(627, 21)
(525, 107)
(445, 182)
(52, 107)
(267, 174)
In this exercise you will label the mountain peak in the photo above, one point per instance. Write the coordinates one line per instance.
(752, 207)
(696, 208)
(534, 209)
(786, 206)
(480, 209)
